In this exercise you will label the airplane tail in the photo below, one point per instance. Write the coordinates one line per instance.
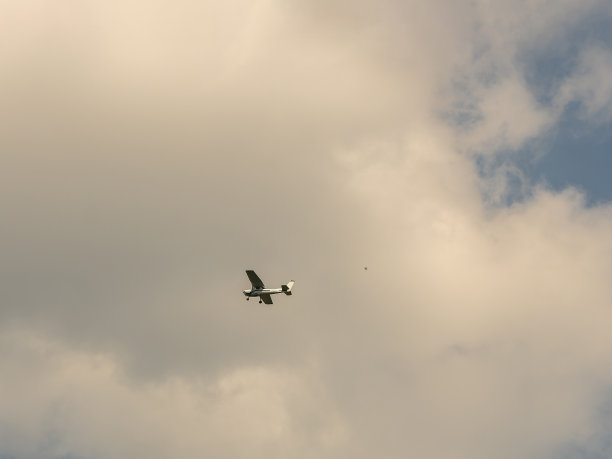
(287, 288)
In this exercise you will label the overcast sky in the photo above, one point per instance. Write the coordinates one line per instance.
(152, 151)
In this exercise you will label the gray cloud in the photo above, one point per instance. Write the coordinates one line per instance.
(152, 152)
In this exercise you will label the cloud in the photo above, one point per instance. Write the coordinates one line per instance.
(58, 401)
(494, 316)
(510, 117)
(155, 151)
(590, 85)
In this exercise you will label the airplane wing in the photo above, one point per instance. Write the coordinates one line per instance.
(255, 280)
(266, 298)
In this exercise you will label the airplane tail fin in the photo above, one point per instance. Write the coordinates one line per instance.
(287, 288)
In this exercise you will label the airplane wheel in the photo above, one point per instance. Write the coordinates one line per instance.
(260, 301)
(248, 299)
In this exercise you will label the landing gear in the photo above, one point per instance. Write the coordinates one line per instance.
(260, 301)
(248, 298)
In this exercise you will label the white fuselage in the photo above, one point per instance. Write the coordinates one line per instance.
(262, 291)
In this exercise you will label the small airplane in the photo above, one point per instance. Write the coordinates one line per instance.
(260, 290)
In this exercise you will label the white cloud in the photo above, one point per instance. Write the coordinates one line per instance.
(591, 86)
(156, 153)
(510, 117)
(496, 316)
(58, 401)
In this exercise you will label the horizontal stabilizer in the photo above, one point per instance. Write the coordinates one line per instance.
(287, 288)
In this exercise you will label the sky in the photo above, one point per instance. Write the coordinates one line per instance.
(153, 150)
